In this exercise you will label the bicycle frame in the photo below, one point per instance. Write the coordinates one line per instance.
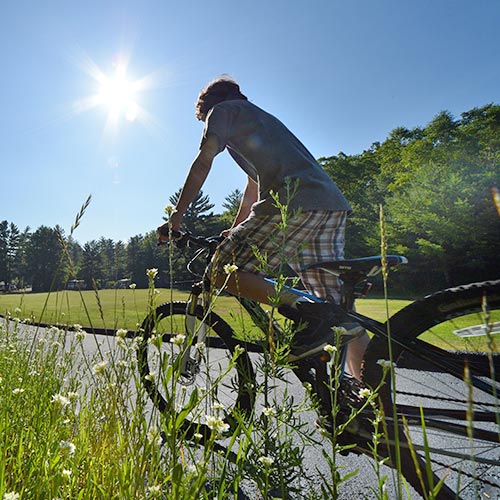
(258, 316)
(348, 296)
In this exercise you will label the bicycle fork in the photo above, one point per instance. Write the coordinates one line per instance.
(194, 334)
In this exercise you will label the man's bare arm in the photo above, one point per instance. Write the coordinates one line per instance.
(250, 196)
(195, 179)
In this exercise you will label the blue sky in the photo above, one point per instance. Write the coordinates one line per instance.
(340, 74)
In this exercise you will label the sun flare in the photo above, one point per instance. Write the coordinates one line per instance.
(116, 92)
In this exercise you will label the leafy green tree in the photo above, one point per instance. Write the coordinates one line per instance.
(232, 202)
(10, 240)
(92, 267)
(196, 215)
(356, 178)
(120, 260)
(45, 261)
(135, 261)
(438, 201)
(20, 268)
(75, 252)
(106, 248)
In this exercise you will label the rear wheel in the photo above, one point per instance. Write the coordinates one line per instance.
(446, 349)
(205, 388)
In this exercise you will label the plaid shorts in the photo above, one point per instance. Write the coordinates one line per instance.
(261, 245)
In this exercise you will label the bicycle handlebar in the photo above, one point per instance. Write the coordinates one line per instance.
(183, 239)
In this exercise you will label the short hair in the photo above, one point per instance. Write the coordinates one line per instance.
(221, 89)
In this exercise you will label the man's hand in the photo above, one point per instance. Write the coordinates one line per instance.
(163, 233)
(166, 233)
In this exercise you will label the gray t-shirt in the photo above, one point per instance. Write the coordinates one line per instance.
(268, 152)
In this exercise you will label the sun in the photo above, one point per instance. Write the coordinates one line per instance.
(118, 95)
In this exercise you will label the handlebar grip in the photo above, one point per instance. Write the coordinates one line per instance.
(166, 233)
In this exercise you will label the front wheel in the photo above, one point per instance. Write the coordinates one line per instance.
(446, 351)
(205, 384)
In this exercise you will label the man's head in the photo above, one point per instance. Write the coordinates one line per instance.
(221, 89)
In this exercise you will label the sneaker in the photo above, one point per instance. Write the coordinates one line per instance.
(314, 323)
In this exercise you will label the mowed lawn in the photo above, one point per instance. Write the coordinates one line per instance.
(126, 308)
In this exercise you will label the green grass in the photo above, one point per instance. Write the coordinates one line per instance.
(125, 308)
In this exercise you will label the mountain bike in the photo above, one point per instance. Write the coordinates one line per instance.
(440, 403)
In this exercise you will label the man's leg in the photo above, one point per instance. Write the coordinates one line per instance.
(355, 352)
(245, 284)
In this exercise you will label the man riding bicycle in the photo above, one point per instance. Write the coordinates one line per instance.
(274, 159)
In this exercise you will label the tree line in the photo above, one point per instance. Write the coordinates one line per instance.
(434, 184)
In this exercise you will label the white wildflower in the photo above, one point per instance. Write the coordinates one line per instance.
(364, 393)
(178, 339)
(151, 376)
(60, 400)
(136, 342)
(339, 330)
(67, 447)
(266, 461)
(269, 411)
(330, 349)
(11, 496)
(152, 273)
(170, 210)
(121, 333)
(100, 368)
(154, 490)
(230, 268)
(217, 424)
(18, 390)
(66, 473)
(132, 286)
(198, 436)
(218, 406)
(80, 333)
(54, 331)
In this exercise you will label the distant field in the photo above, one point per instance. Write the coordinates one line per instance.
(125, 308)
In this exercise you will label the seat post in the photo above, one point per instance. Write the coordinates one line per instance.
(347, 293)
